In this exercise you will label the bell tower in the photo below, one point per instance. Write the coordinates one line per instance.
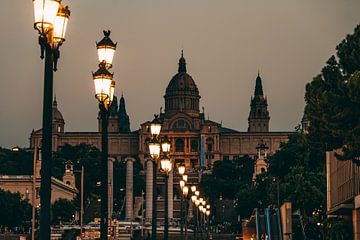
(69, 177)
(260, 163)
(259, 115)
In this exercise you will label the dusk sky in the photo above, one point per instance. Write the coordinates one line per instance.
(225, 44)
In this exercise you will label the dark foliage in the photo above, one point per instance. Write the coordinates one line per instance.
(332, 101)
(14, 211)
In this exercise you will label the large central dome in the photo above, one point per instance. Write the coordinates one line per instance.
(182, 94)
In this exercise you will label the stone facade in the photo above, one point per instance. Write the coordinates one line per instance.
(23, 185)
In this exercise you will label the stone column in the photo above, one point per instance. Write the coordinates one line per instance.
(129, 215)
(171, 194)
(110, 186)
(149, 189)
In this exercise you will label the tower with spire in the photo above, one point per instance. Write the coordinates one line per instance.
(118, 121)
(124, 120)
(259, 115)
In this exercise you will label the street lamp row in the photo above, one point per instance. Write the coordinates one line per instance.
(156, 146)
(198, 201)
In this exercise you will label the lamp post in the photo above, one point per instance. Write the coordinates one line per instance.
(51, 19)
(81, 198)
(208, 218)
(166, 167)
(276, 179)
(185, 192)
(197, 202)
(104, 93)
(154, 149)
(181, 170)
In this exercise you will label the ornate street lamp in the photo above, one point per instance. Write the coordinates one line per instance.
(181, 170)
(104, 93)
(185, 177)
(106, 49)
(166, 167)
(154, 149)
(185, 193)
(193, 188)
(50, 21)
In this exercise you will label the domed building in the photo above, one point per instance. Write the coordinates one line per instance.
(196, 142)
(182, 94)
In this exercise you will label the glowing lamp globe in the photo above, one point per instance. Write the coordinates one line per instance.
(182, 184)
(154, 149)
(103, 83)
(60, 24)
(106, 49)
(166, 165)
(155, 127)
(185, 191)
(181, 169)
(165, 145)
(45, 13)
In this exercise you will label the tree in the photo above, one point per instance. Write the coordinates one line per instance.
(304, 189)
(227, 177)
(332, 101)
(16, 163)
(63, 210)
(296, 152)
(14, 211)
(80, 155)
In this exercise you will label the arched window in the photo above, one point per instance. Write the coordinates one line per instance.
(181, 125)
(179, 145)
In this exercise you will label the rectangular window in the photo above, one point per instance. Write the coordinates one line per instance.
(193, 163)
(194, 145)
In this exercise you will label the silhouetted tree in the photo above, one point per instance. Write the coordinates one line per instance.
(14, 211)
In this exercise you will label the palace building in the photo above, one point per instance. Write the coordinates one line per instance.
(196, 142)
